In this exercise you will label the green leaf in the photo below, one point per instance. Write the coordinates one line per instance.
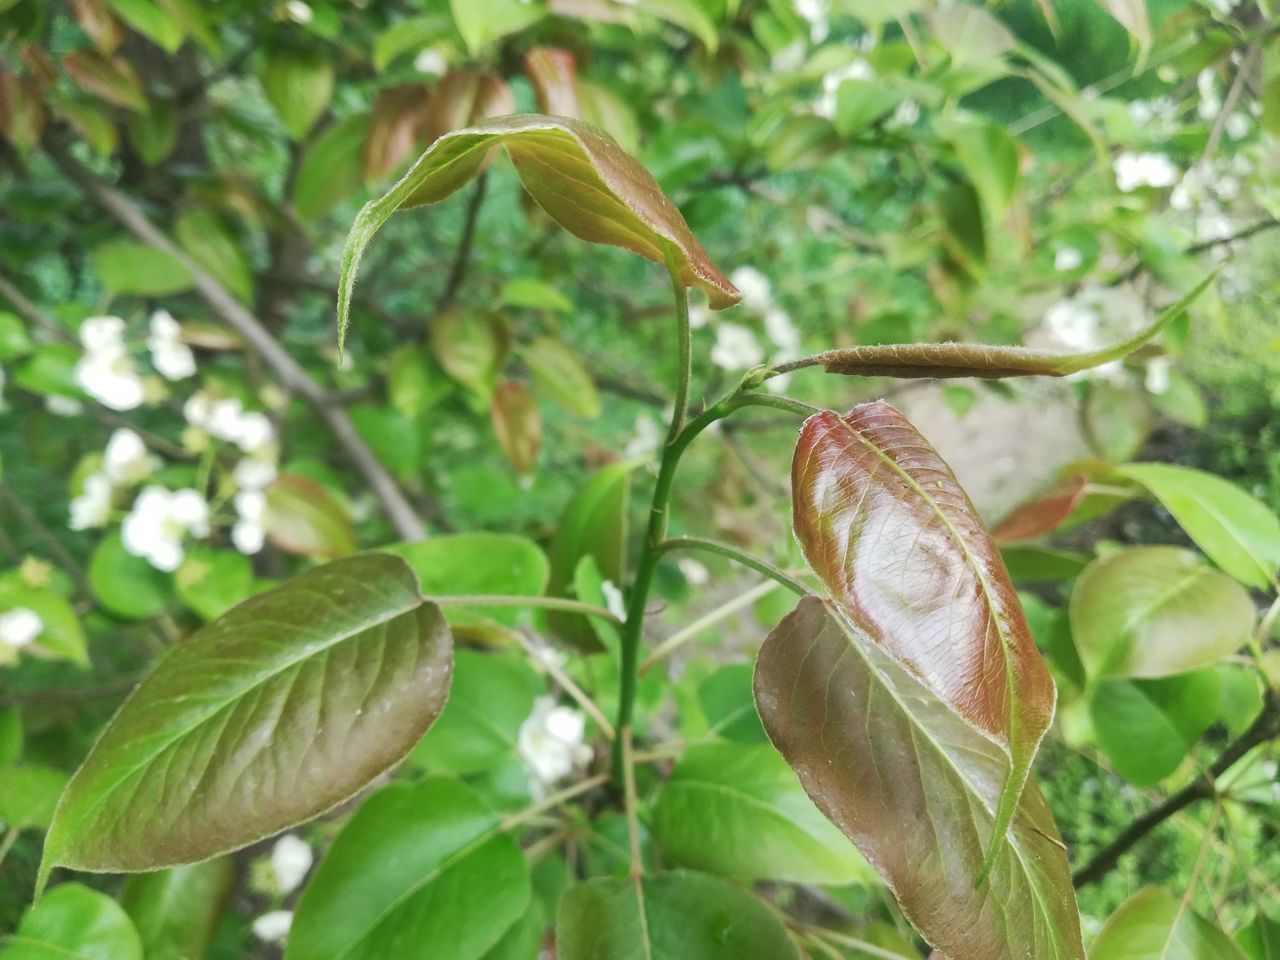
(422, 867)
(725, 698)
(561, 375)
(594, 524)
(523, 939)
(517, 424)
(970, 34)
(532, 294)
(469, 563)
(61, 634)
(481, 22)
(414, 382)
(1146, 728)
(1155, 925)
(1237, 531)
(577, 173)
(10, 735)
(72, 921)
(127, 586)
(14, 341)
(1132, 15)
(1260, 940)
(211, 582)
(671, 916)
(740, 811)
(861, 103)
(1156, 611)
(299, 85)
(154, 134)
(991, 362)
(393, 437)
(303, 517)
(146, 17)
(28, 795)
(686, 14)
(492, 696)
(408, 36)
(990, 158)
(286, 706)
(107, 78)
(884, 523)
(176, 912)
(917, 786)
(1116, 419)
(204, 236)
(331, 169)
(1039, 564)
(126, 266)
(472, 348)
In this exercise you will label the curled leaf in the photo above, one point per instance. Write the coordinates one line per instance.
(884, 523)
(578, 174)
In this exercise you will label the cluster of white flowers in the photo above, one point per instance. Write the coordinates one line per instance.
(106, 371)
(1160, 114)
(1092, 318)
(1066, 259)
(550, 743)
(171, 357)
(431, 61)
(19, 627)
(274, 926)
(125, 463)
(160, 520)
(1134, 170)
(226, 419)
(736, 346)
(816, 13)
(644, 439)
(856, 69)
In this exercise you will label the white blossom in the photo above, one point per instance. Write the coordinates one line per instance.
(550, 743)
(645, 439)
(19, 626)
(430, 61)
(171, 357)
(1210, 100)
(699, 315)
(906, 114)
(249, 534)
(757, 292)
(106, 371)
(789, 58)
(693, 570)
(253, 473)
(92, 508)
(227, 419)
(98, 334)
(291, 859)
(1157, 377)
(736, 347)
(125, 460)
(1134, 170)
(815, 13)
(273, 927)
(1073, 324)
(1237, 125)
(1067, 258)
(857, 69)
(614, 599)
(159, 520)
(299, 12)
(61, 405)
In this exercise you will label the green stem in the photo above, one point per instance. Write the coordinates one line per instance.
(740, 556)
(685, 338)
(7, 843)
(501, 600)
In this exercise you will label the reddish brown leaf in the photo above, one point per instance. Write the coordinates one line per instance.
(398, 112)
(96, 21)
(517, 424)
(1043, 513)
(303, 517)
(555, 81)
(884, 523)
(917, 788)
(463, 97)
(40, 64)
(22, 111)
(112, 80)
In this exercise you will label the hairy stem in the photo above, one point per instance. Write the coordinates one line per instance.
(685, 339)
(739, 556)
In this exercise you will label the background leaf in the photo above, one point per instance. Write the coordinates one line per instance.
(1153, 925)
(176, 912)
(73, 921)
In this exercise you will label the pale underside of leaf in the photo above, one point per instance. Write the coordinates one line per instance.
(283, 708)
(577, 173)
(917, 788)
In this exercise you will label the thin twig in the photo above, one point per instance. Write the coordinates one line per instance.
(566, 684)
(1229, 104)
(733, 553)
(462, 259)
(290, 373)
(705, 622)
(502, 600)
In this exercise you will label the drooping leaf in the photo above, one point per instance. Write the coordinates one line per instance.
(884, 523)
(422, 868)
(269, 716)
(740, 812)
(107, 78)
(671, 916)
(917, 787)
(154, 134)
(204, 236)
(331, 169)
(397, 114)
(303, 517)
(72, 921)
(176, 912)
(471, 563)
(1146, 728)
(583, 180)
(299, 85)
(1237, 531)
(1154, 925)
(990, 362)
(560, 374)
(517, 424)
(1156, 611)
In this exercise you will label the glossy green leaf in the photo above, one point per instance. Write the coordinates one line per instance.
(1260, 940)
(726, 701)
(990, 362)
(127, 586)
(211, 582)
(176, 912)
(29, 794)
(303, 517)
(523, 939)
(1146, 728)
(884, 523)
(671, 916)
(1156, 611)
(418, 868)
(1237, 531)
(492, 696)
(269, 716)
(72, 921)
(61, 635)
(126, 266)
(740, 811)
(583, 180)
(331, 168)
(1155, 925)
(1116, 420)
(481, 22)
(299, 85)
(468, 563)
(561, 375)
(594, 524)
(917, 787)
